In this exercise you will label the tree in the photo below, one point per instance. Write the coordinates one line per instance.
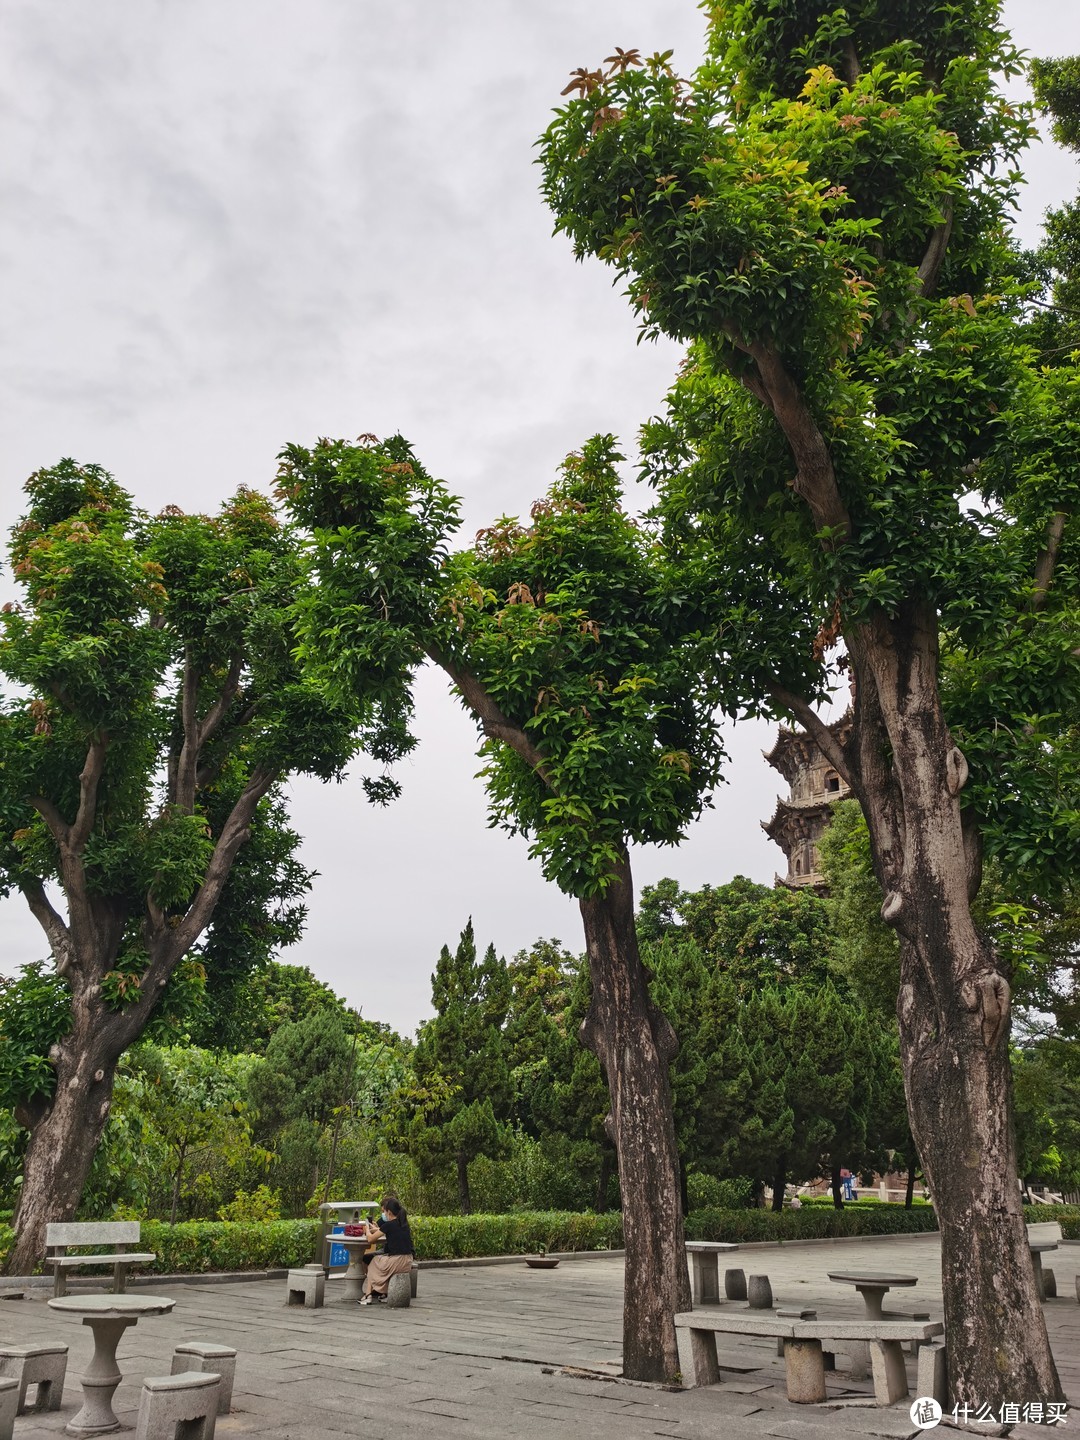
(306, 1076)
(562, 1097)
(595, 707)
(158, 709)
(193, 1099)
(461, 1056)
(782, 1073)
(858, 450)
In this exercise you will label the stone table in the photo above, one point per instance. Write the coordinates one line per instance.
(355, 1275)
(873, 1286)
(108, 1317)
(704, 1259)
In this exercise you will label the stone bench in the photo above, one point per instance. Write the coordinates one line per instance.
(189, 1399)
(195, 1355)
(117, 1233)
(705, 1264)
(42, 1365)
(804, 1360)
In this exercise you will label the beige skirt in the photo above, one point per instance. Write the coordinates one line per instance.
(382, 1267)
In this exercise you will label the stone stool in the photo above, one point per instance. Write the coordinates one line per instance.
(42, 1365)
(306, 1287)
(196, 1355)
(1049, 1283)
(735, 1284)
(830, 1363)
(415, 1271)
(188, 1400)
(399, 1290)
(9, 1404)
(759, 1292)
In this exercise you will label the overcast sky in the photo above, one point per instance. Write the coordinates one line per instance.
(228, 226)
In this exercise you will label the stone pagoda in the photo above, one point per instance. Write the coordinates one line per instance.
(799, 821)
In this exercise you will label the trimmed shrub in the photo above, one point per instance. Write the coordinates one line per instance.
(456, 1237)
(810, 1223)
(7, 1239)
(194, 1246)
(1067, 1216)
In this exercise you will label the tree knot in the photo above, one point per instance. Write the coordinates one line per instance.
(987, 994)
(956, 770)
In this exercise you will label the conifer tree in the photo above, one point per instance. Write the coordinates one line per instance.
(462, 1065)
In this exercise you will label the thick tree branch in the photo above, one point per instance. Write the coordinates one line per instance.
(876, 786)
(199, 914)
(56, 932)
(852, 69)
(494, 723)
(58, 826)
(815, 479)
(823, 737)
(1044, 567)
(89, 782)
(936, 247)
(220, 707)
(167, 946)
(184, 790)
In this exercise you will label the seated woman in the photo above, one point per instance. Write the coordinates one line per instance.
(393, 1227)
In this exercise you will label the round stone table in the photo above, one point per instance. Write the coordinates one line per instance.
(355, 1274)
(108, 1317)
(873, 1286)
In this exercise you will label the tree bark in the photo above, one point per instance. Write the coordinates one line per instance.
(779, 1184)
(835, 1184)
(464, 1197)
(64, 1137)
(603, 1179)
(953, 1010)
(909, 1193)
(635, 1045)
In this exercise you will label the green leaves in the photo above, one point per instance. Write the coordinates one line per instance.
(35, 1012)
(569, 625)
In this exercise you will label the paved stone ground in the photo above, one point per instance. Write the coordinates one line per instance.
(480, 1355)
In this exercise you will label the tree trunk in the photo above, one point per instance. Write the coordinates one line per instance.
(635, 1045)
(959, 1092)
(953, 1010)
(177, 1182)
(779, 1184)
(684, 1188)
(64, 1138)
(603, 1180)
(835, 1184)
(464, 1198)
(909, 1193)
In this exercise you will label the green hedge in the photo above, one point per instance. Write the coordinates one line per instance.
(454, 1237)
(196, 1246)
(1067, 1216)
(811, 1223)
